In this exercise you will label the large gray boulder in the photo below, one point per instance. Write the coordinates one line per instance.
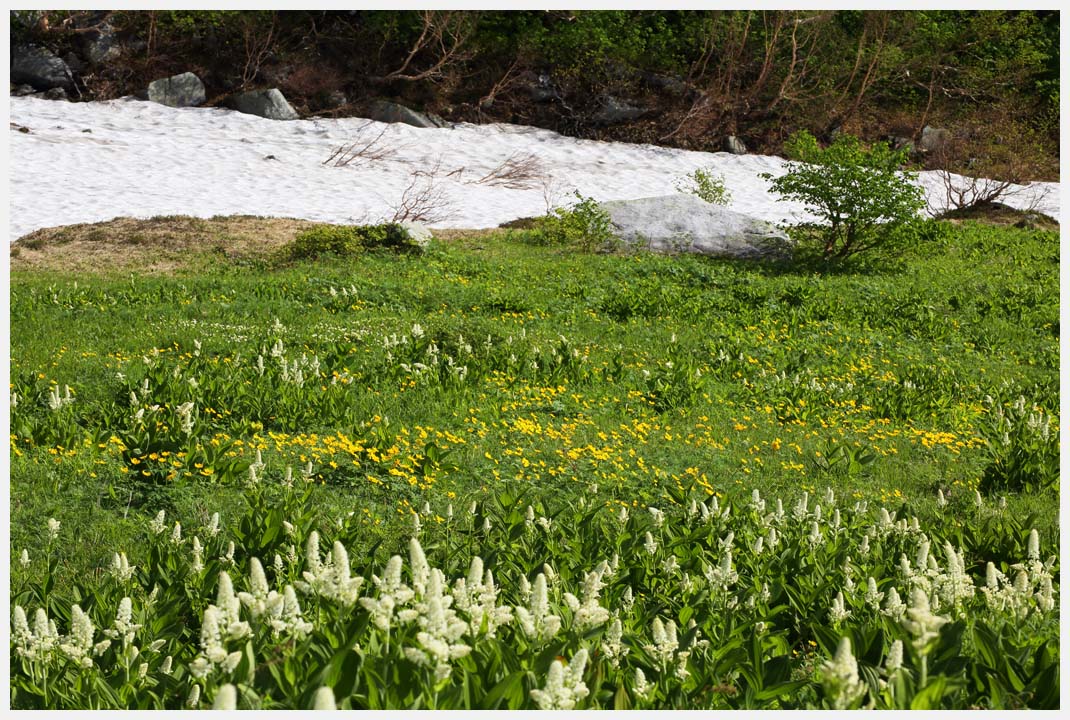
(269, 104)
(38, 66)
(183, 90)
(688, 224)
(390, 112)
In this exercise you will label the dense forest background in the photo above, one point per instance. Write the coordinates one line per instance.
(686, 79)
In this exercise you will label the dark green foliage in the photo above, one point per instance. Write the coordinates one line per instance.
(859, 194)
(348, 240)
(584, 226)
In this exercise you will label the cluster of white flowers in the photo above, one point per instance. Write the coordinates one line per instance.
(329, 578)
(185, 417)
(124, 628)
(613, 648)
(536, 620)
(221, 622)
(1030, 589)
(840, 678)
(120, 568)
(721, 576)
(79, 644)
(281, 611)
(38, 643)
(564, 684)
(921, 622)
(873, 597)
(392, 593)
(477, 596)
(440, 628)
(665, 643)
(57, 401)
(588, 613)
(642, 688)
(839, 612)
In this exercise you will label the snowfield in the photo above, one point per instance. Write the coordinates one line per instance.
(87, 162)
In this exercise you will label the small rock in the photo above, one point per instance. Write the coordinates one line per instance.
(734, 145)
(100, 45)
(56, 93)
(337, 99)
(391, 112)
(616, 111)
(182, 90)
(933, 139)
(270, 104)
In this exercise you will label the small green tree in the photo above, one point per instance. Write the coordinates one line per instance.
(585, 226)
(860, 195)
(703, 183)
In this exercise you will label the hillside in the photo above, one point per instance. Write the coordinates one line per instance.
(683, 79)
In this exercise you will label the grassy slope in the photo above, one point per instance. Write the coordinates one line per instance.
(973, 316)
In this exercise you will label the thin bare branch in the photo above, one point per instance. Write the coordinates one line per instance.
(361, 150)
(519, 172)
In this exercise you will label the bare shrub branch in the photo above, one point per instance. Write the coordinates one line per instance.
(423, 199)
(257, 46)
(518, 172)
(552, 192)
(361, 150)
(982, 166)
(444, 35)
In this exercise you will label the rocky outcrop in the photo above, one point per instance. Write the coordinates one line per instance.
(687, 224)
(269, 104)
(38, 66)
(183, 90)
(391, 112)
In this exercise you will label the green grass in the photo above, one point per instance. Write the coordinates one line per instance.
(653, 377)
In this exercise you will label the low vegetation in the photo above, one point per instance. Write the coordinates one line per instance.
(502, 474)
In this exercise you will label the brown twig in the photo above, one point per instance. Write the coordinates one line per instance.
(361, 151)
(423, 200)
(519, 172)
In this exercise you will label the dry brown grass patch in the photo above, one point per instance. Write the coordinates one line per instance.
(159, 245)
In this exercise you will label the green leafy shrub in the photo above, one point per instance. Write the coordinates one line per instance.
(584, 226)
(703, 183)
(347, 240)
(1022, 443)
(861, 197)
(338, 240)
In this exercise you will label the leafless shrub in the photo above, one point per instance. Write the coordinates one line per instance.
(979, 167)
(552, 192)
(442, 40)
(423, 199)
(257, 46)
(518, 172)
(362, 150)
(962, 192)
